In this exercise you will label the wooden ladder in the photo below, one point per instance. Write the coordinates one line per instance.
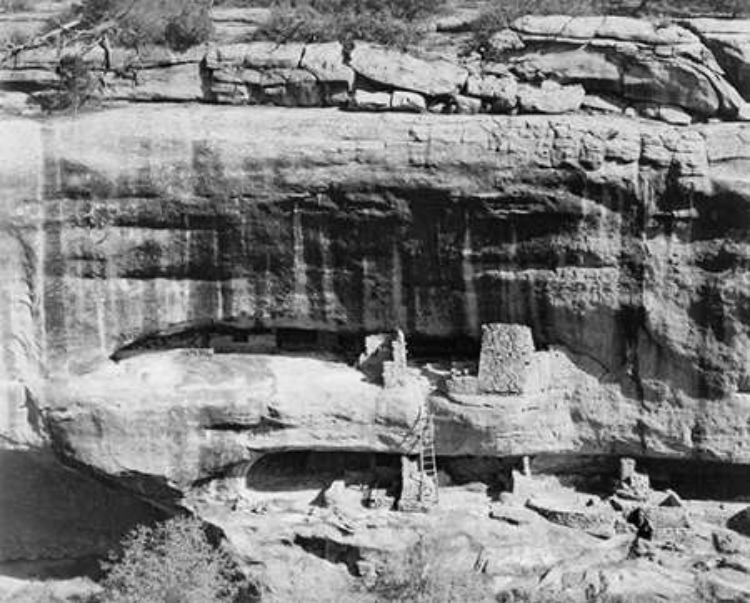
(428, 475)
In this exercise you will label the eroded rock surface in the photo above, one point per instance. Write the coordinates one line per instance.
(677, 73)
(623, 248)
(729, 40)
(283, 237)
(634, 59)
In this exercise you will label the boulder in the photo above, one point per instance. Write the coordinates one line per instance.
(740, 522)
(263, 55)
(670, 115)
(17, 103)
(291, 88)
(729, 41)
(326, 62)
(550, 97)
(599, 104)
(726, 584)
(411, 102)
(729, 542)
(370, 101)
(570, 64)
(668, 83)
(672, 499)
(466, 105)
(626, 29)
(439, 107)
(597, 520)
(629, 58)
(172, 83)
(501, 91)
(387, 67)
(502, 42)
(517, 516)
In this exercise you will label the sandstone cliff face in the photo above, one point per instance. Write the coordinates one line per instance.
(622, 244)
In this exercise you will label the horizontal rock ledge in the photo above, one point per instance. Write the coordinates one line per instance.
(183, 416)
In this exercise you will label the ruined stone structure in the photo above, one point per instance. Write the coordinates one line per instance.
(395, 370)
(632, 484)
(384, 359)
(506, 356)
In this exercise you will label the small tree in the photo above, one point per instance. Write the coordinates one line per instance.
(178, 24)
(76, 82)
(172, 562)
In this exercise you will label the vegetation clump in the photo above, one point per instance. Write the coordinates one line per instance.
(177, 24)
(391, 22)
(172, 562)
(15, 6)
(428, 574)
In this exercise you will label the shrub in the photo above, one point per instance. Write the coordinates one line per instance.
(77, 85)
(189, 27)
(400, 9)
(15, 6)
(390, 22)
(170, 563)
(409, 10)
(178, 24)
(14, 38)
(307, 25)
(429, 574)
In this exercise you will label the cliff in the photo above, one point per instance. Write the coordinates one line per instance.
(621, 244)
(186, 287)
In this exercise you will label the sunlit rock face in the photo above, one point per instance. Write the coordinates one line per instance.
(623, 245)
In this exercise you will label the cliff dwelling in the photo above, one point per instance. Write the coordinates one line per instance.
(374, 300)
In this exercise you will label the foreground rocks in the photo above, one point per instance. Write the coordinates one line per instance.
(729, 41)
(486, 549)
(630, 59)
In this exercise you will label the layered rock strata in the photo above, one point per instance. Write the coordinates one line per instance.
(676, 73)
(621, 245)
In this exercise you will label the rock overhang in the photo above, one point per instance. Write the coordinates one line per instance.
(619, 241)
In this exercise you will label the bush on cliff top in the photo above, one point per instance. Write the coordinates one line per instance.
(178, 24)
(400, 9)
(390, 22)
